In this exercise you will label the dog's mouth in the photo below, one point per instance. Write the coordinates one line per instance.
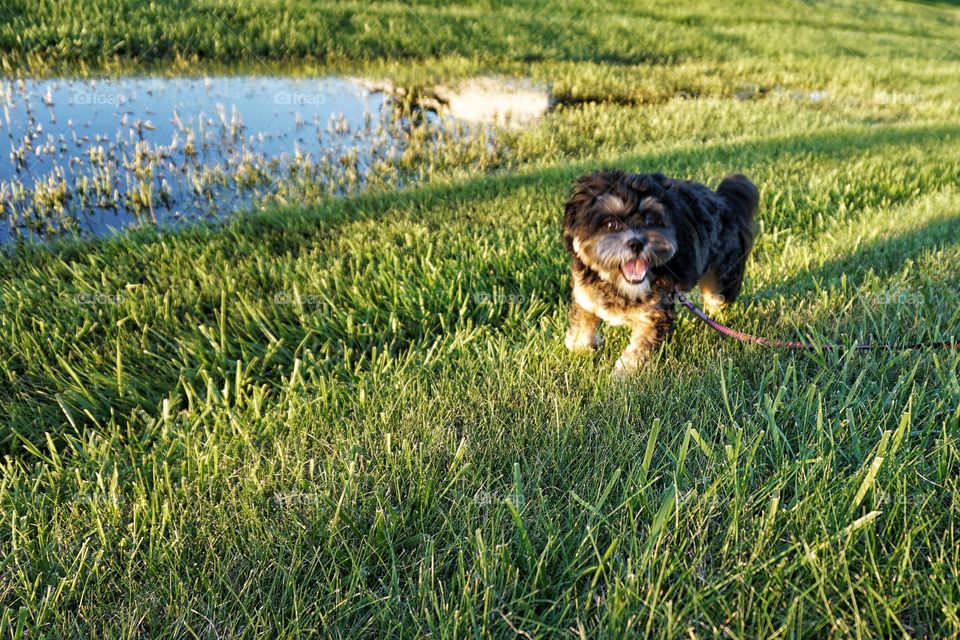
(635, 270)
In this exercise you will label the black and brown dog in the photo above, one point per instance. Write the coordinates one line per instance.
(634, 240)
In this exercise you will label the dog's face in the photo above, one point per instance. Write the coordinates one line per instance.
(623, 227)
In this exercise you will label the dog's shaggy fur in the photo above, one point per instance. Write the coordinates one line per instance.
(634, 240)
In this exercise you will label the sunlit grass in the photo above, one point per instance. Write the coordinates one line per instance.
(357, 417)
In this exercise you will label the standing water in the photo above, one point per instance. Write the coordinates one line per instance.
(94, 155)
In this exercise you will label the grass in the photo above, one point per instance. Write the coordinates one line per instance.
(357, 418)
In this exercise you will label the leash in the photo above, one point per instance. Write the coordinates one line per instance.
(803, 346)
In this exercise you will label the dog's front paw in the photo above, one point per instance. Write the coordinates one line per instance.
(621, 373)
(713, 302)
(625, 367)
(581, 342)
(630, 362)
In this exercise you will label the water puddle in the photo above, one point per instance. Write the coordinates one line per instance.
(95, 155)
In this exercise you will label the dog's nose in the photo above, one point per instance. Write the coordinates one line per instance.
(636, 245)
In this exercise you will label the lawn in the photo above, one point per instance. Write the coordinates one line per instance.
(357, 418)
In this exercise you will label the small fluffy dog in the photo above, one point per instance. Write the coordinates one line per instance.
(635, 239)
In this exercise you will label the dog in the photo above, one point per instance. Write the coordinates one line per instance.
(635, 240)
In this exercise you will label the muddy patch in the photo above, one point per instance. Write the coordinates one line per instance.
(506, 102)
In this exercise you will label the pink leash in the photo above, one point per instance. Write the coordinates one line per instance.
(793, 344)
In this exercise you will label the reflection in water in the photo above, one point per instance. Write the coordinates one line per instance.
(92, 155)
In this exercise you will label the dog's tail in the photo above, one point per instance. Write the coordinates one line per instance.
(741, 195)
(743, 198)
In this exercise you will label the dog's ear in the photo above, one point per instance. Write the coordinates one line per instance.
(589, 189)
(574, 214)
(580, 197)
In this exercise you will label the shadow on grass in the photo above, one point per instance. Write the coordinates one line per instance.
(920, 311)
(299, 224)
(881, 257)
(35, 403)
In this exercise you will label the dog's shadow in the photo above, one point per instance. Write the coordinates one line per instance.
(882, 257)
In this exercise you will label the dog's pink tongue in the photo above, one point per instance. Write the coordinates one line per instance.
(635, 270)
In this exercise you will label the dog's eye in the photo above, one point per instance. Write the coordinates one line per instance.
(651, 221)
(613, 224)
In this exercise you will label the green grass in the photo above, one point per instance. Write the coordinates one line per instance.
(639, 52)
(358, 419)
